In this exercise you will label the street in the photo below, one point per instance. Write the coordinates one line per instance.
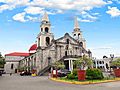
(16, 82)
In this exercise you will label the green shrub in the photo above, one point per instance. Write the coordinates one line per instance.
(94, 74)
(71, 76)
(74, 72)
(76, 77)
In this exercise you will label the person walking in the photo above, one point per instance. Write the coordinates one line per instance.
(10, 74)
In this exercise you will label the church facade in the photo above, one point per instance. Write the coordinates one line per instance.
(49, 50)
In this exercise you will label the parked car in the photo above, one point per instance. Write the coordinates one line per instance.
(63, 73)
(25, 73)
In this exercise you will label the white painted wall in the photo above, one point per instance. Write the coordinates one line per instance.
(8, 67)
(12, 60)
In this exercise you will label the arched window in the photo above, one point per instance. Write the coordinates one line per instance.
(46, 29)
(79, 35)
(100, 67)
(38, 41)
(97, 62)
(103, 62)
(81, 44)
(67, 41)
(47, 40)
(49, 60)
(41, 29)
(100, 62)
(66, 47)
(65, 53)
(12, 65)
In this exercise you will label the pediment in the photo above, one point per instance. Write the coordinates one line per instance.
(65, 37)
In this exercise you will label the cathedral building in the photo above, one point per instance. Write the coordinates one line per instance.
(48, 50)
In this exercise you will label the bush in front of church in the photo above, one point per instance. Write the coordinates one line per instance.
(73, 75)
(94, 74)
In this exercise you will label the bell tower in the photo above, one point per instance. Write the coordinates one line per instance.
(45, 36)
(77, 34)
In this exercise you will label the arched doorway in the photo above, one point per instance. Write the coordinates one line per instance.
(49, 60)
(12, 66)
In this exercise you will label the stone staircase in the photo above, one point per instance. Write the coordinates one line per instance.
(43, 71)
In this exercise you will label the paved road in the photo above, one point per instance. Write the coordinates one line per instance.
(16, 82)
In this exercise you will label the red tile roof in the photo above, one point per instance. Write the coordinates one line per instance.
(17, 54)
(33, 47)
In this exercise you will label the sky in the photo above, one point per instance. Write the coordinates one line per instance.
(99, 21)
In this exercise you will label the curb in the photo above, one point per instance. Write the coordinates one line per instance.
(84, 83)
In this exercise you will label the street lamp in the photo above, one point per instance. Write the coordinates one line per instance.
(111, 56)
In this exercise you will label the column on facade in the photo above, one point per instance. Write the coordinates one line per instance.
(70, 65)
(34, 61)
(96, 64)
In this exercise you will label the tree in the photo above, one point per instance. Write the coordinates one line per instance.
(83, 62)
(59, 65)
(116, 63)
(2, 61)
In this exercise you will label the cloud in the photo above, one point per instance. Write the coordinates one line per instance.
(11, 4)
(70, 4)
(34, 10)
(35, 7)
(34, 19)
(85, 20)
(113, 11)
(79, 5)
(20, 17)
(88, 17)
(15, 2)
(6, 7)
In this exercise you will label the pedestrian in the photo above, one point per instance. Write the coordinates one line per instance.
(10, 74)
(49, 75)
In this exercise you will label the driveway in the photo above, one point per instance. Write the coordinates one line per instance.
(16, 82)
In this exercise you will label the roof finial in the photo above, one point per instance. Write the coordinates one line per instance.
(45, 17)
(76, 24)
